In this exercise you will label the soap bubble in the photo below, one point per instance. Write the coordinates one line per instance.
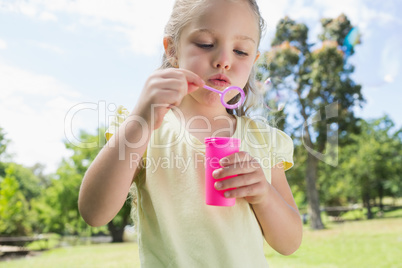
(274, 94)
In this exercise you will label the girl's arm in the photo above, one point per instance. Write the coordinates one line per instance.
(278, 214)
(272, 203)
(107, 181)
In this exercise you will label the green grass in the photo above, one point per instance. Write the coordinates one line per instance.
(100, 255)
(374, 243)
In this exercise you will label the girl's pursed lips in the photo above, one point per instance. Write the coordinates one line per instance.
(219, 80)
(218, 83)
(220, 77)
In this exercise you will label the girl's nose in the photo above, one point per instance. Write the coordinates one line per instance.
(222, 60)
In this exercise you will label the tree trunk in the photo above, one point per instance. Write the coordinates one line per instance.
(381, 195)
(311, 178)
(312, 193)
(366, 202)
(116, 232)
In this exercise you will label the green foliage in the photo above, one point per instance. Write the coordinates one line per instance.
(3, 146)
(3, 142)
(282, 60)
(31, 202)
(335, 29)
(22, 187)
(30, 185)
(287, 30)
(85, 152)
(369, 166)
(57, 207)
(14, 208)
(375, 159)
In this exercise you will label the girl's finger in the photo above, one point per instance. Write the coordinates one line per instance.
(235, 169)
(239, 157)
(173, 98)
(193, 80)
(246, 191)
(236, 182)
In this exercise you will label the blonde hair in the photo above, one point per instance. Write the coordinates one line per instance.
(182, 14)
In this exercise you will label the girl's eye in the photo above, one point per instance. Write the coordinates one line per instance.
(240, 53)
(205, 46)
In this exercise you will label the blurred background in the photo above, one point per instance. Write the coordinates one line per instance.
(334, 69)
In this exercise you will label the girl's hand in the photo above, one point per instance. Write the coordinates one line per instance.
(164, 89)
(250, 182)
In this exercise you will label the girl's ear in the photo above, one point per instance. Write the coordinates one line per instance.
(170, 51)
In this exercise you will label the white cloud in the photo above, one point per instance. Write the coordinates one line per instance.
(389, 78)
(141, 21)
(46, 16)
(361, 13)
(272, 11)
(32, 112)
(48, 47)
(17, 81)
(27, 9)
(3, 44)
(391, 58)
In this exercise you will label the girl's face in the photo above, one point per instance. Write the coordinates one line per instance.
(220, 45)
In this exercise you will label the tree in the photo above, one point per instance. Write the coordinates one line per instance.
(373, 162)
(70, 174)
(19, 186)
(14, 208)
(322, 94)
(29, 184)
(3, 141)
(3, 147)
(32, 202)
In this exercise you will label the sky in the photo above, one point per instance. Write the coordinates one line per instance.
(65, 65)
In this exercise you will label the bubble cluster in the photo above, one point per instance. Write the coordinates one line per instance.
(274, 95)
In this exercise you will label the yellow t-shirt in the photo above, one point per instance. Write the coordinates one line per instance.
(176, 228)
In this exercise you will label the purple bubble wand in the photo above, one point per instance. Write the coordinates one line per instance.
(225, 91)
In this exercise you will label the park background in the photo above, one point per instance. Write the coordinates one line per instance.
(66, 65)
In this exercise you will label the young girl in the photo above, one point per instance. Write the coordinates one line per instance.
(159, 148)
